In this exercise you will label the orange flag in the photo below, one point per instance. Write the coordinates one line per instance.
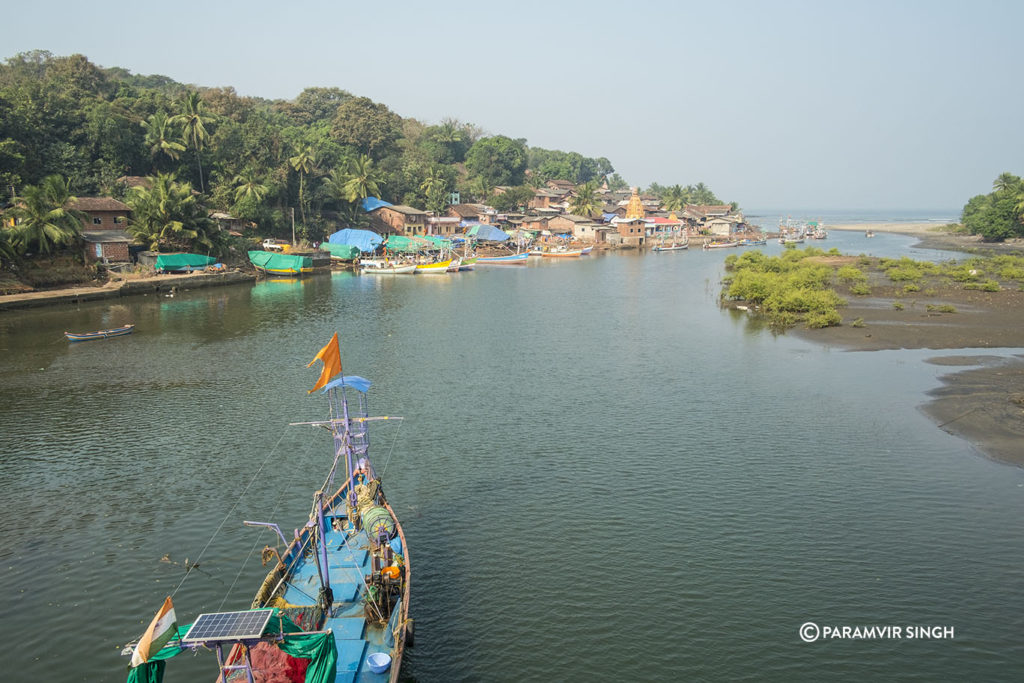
(331, 356)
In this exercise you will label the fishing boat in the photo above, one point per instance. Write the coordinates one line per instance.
(586, 250)
(721, 245)
(273, 263)
(468, 263)
(453, 267)
(791, 240)
(562, 252)
(384, 267)
(750, 242)
(674, 246)
(338, 592)
(439, 268)
(99, 334)
(510, 260)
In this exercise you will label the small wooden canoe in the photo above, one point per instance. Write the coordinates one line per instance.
(99, 334)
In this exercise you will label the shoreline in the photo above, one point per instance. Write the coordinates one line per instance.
(981, 399)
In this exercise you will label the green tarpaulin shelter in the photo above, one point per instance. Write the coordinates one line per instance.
(346, 252)
(177, 263)
(409, 244)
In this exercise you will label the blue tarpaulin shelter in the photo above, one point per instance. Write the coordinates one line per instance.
(487, 233)
(366, 240)
(371, 203)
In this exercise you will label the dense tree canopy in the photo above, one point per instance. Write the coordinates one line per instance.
(318, 154)
(998, 215)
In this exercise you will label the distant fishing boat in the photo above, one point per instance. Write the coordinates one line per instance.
(753, 243)
(674, 246)
(721, 245)
(99, 334)
(337, 595)
(280, 264)
(510, 260)
(439, 268)
(381, 267)
(563, 253)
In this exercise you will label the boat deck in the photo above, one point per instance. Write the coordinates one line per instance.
(346, 567)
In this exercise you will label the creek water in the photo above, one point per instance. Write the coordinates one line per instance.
(601, 475)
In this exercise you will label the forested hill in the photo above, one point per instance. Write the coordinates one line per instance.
(256, 158)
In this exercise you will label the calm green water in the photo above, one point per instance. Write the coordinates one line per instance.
(601, 476)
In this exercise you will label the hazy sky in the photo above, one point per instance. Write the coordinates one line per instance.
(782, 105)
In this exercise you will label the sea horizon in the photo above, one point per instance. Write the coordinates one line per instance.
(766, 217)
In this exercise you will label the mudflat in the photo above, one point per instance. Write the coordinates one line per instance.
(983, 403)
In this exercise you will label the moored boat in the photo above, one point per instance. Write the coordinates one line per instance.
(99, 334)
(385, 267)
(510, 260)
(338, 593)
(438, 268)
(563, 253)
(273, 263)
(674, 246)
(721, 245)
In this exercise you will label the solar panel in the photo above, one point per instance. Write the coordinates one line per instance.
(228, 626)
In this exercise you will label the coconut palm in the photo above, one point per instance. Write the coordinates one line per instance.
(42, 217)
(303, 163)
(585, 203)
(363, 179)
(1006, 182)
(168, 214)
(674, 198)
(248, 186)
(193, 122)
(159, 138)
(433, 182)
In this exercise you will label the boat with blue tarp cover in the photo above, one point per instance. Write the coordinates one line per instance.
(335, 605)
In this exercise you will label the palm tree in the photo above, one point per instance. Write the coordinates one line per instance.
(169, 215)
(673, 199)
(363, 179)
(304, 162)
(585, 203)
(433, 182)
(193, 122)
(42, 217)
(158, 137)
(1006, 182)
(248, 186)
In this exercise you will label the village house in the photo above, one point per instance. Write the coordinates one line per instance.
(399, 219)
(104, 229)
(544, 199)
(535, 223)
(470, 213)
(444, 226)
(581, 228)
(561, 186)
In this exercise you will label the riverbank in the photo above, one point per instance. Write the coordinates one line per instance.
(983, 404)
(122, 287)
(936, 236)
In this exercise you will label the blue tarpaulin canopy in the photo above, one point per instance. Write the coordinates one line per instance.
(487, 233)
(371, 203)
(366, 240)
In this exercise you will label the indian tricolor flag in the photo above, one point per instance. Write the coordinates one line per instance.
(160, 631)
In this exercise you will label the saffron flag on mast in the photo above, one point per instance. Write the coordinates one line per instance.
(331, 356)
(160, 631)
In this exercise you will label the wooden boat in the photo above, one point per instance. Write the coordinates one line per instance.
(453, 267)
(510, 260)
(586, 250)
(273, 263)
(791, 240)
(382, 267)
(753, 243)
(438, 268)
(338, 591)
(721, 245)
(99, 334)
(563, 253)
(672, 247)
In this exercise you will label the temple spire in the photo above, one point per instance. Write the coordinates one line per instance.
(635, 208)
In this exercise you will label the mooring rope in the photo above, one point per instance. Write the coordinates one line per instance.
(252, 550)
(188, 569)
